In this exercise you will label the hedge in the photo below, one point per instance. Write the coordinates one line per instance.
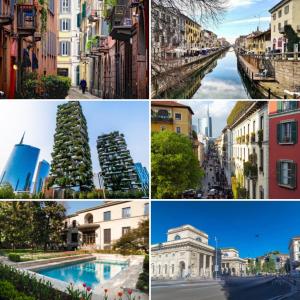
(14, 257)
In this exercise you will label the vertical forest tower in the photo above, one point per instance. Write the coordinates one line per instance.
(71, 165)
(116, 163)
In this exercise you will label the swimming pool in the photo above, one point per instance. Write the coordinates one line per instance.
(91, 273)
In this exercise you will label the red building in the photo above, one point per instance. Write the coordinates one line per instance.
(284, 157)
(27, 41)
(124, 54)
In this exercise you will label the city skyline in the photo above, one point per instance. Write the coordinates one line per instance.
(102, 117)
(218, 111)
(253, 228)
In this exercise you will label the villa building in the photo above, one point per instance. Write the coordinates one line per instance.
(231, 263)
(248, 123)
(284, 159)
(172, 116)
(285, 12)
(118, 170)
(294, 248)
(68, 39)
(99, 227)
(186, 254)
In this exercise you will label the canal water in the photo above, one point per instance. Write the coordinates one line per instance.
(220, 80)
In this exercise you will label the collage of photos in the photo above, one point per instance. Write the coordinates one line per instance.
(150, 149)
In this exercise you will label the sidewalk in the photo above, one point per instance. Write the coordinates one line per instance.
(76, 93)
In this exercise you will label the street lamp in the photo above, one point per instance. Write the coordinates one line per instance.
(216, 259)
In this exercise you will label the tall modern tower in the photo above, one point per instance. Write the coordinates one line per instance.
(209, 122)
(42, 173)
(143, 175)
(71, 165)
(20, 167)
(116, 163)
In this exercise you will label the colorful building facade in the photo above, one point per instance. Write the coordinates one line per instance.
(284, 159)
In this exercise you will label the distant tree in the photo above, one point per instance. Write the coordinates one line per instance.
(6, 191)
(135, 239)
(175, 167)
(269, 265)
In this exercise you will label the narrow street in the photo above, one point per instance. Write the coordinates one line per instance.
(231, 288)
(214, 184)
(76, 93)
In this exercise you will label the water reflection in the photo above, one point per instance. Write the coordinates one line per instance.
(220, 80)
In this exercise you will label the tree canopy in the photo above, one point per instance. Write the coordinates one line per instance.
(34, 224)
(134, 240)
(175, 167)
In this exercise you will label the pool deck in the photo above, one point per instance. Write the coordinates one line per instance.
(126, 279)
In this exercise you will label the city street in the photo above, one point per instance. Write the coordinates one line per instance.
(75, 93)
(214, 184)
(234, 288)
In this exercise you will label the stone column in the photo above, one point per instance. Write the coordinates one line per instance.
(210, 266)
(204, 264)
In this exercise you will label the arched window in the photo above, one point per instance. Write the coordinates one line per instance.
(163, 114)
(88, 219)
(177, 237)
(198, 239)
(66, 224)
(74, 223)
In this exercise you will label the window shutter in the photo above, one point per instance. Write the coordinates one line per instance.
(60, 6)
(279, 106)
(294, 129)
(278, 171)
(293, 175)
(78, 19)
(69, 48)
(279, 138)
(60, 25)
(294, 104)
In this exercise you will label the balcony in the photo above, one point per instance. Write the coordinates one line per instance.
(6, 13)
(164, 119)
(121, 23)
(26, 18)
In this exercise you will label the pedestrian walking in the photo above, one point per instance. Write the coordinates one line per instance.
(83, 85)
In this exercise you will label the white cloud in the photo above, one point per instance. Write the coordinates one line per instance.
(238, 3)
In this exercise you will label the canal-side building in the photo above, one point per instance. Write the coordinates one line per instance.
(240, 43)
(230, 262)
(285, 12)
(168, 33)
(68, 41)
(192, 35)
(101, 226)
(185, 254)
(284, 159)
(248, 122)
(262, 42)
(28, 39)
(294, 249)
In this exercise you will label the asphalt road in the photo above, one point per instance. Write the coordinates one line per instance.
(246, 288)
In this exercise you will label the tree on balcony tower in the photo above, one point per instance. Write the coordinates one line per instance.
(71, 166)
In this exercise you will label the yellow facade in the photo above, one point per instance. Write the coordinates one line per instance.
(192, 34)
(285, 12)
(176, 119)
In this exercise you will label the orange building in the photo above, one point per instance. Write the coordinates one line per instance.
(27, 41)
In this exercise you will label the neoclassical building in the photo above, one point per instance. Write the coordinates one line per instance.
(231, 263)
(99, 227)
(186, 254)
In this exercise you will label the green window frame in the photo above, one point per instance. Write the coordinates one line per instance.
(287, 132)
(286, 173)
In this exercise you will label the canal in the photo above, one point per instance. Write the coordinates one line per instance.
(222, 79)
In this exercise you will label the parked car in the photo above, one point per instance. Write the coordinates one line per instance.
(189, 194)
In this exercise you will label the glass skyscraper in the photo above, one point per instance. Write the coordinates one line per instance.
(20, 167)
(42, 173)
(143, 175)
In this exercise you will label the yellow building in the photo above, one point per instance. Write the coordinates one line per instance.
(262, 42)
(172, 116)
(286, 12)
(192, 34)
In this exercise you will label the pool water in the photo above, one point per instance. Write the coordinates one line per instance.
(91, 273)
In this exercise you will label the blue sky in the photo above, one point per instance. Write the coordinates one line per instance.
(74, 206)
(38, 119)
(243, 17)
(254, 228)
